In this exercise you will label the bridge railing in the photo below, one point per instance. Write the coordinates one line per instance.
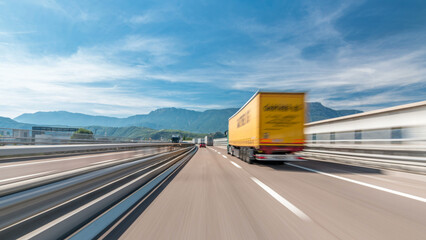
(11, 136)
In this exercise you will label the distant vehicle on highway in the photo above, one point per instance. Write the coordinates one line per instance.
(175, 138)
(208, 140)
(202, 145)
(269, 127)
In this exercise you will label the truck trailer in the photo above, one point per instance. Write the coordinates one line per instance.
(208, 140)
(269, 127)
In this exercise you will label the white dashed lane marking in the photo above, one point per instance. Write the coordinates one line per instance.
(236, 165)
(282, 200)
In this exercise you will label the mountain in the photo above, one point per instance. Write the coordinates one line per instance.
(319, 112)
(165, 118)
(122, 132)
(9, 123)
(66, 118)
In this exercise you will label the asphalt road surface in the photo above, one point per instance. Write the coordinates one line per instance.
(216, 196)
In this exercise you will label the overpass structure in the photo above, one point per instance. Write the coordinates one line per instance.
(362, 178)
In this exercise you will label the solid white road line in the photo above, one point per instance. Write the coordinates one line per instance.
(363, 184)
(282, 200)
(31, 175)
(236, 165)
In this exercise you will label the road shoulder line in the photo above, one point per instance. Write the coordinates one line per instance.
(362, 183)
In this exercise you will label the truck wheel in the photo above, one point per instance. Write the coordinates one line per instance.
(243, 154)
(249, 155)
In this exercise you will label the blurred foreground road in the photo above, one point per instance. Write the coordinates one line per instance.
(216, 196)
(18, 169)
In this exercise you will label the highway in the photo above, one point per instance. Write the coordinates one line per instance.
(211, 196)
(217, 196)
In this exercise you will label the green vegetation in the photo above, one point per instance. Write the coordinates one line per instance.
(82, 133)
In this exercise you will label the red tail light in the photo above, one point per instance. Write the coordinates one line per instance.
(260, 157)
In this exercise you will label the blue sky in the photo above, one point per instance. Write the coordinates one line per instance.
(120, 58)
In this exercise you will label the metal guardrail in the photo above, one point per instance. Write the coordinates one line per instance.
(410, 160)
(402, 144)
(10, 151)
(56, 210)
(220, 141)
(406, 154)
(102, 223)
(42, 180)
(11, 136)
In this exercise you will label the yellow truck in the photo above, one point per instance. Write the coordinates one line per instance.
(269, 127)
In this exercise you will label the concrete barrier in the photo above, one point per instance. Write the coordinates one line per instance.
(220, 142)
(384, 159)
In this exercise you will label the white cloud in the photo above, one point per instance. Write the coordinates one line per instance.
(77, 68)
(89, 77)
(49, 4)
(154, 46)
(352, 68)
(8, 34)
(359, 73)
(153, 51)
(142, 19)
(68, 9)
(366, 103)
(156, 14)
(96, 76)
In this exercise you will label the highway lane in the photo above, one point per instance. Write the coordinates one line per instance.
(217, 196)
(13, 170)
(400, 181)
